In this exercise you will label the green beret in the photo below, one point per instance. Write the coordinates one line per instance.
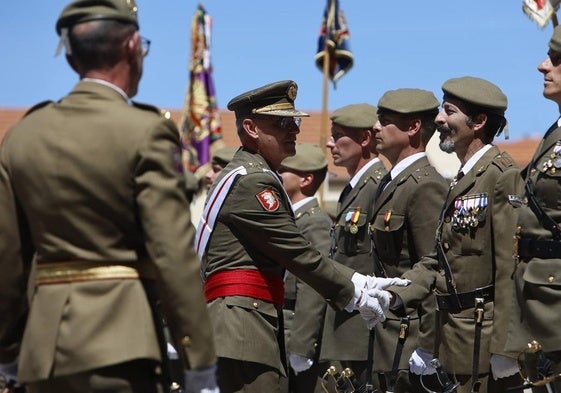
(276, 99)
(223, 155)
(308, 158)
(477, 91)
(80, 11)
(361, 116)
(407, 101)
(555, 41)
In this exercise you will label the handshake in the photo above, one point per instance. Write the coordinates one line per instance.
(371, 299)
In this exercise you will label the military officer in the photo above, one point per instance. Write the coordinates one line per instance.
(91, 187)
(405, 216)
(538, 258)
(352, 145)
(247, 237)
(472, 264)
(304, 308)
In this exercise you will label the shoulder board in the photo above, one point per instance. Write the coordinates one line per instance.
(148, 107)
(424, 173)
(503, 161)
(37, 106)
(254, 167)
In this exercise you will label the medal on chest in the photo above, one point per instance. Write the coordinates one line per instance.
(553, 163)
(469, 211)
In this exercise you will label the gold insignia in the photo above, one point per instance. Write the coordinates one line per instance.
(291, 92)
(165, 114)
(132, 6)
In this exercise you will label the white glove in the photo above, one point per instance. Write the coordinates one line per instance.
(383, 283)
(502, 366)
(419, 362)
(383, 297)
(370, 309)
(201, 381)
(299, 363)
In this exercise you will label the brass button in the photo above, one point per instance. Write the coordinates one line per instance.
(315, 345)
(186, 341)
(551, 279)
(255, 305)
(447, 219)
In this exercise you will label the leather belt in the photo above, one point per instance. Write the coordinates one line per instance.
(466, 299)
(544, 249)
(245, 282)
(77, 271)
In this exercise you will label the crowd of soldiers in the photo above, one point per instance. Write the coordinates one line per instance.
(416, 284)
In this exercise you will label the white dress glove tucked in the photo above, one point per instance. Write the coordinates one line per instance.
(419, 363)
(201, 381)
(370, 309)
(299, 363)
(502, 366)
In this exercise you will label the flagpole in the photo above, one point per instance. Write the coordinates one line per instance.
(324, 111)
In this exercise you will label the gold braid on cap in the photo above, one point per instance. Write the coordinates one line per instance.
(274, 107)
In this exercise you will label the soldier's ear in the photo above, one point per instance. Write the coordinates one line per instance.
(414, 127)
(250, 129)
(367, 137)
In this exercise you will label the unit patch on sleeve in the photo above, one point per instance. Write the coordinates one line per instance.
(268, 200)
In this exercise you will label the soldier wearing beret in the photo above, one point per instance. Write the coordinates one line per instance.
(471, 266)
(91, 188)
(405, 217)
(352, 145)
(538, 257)
(219, 160)
(304, 308)
(247, 238)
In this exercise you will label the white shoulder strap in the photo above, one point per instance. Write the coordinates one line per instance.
(212, 208)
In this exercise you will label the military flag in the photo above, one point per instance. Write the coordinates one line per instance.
(201, 127)
(334, 39)
(541, 11)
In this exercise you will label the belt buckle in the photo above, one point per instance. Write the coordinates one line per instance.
(479, 309)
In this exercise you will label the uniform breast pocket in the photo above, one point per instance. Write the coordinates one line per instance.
(388, 236)
(541, 277)
(355, 231)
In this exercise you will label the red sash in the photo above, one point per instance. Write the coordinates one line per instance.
(244, 282)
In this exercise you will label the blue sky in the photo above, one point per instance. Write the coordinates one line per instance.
(407, 43)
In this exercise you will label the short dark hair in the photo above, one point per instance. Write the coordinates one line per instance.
(99, 46)
(493, 126)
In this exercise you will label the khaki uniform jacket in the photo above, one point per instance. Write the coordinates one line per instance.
(92, 178)
(478, 256)
(537, 280)
(404, 226)
(248, 236)
(307, 318)
(345, 336)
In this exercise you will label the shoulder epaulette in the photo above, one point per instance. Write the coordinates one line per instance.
(152, 108)
(37, 106)
(503, 161)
